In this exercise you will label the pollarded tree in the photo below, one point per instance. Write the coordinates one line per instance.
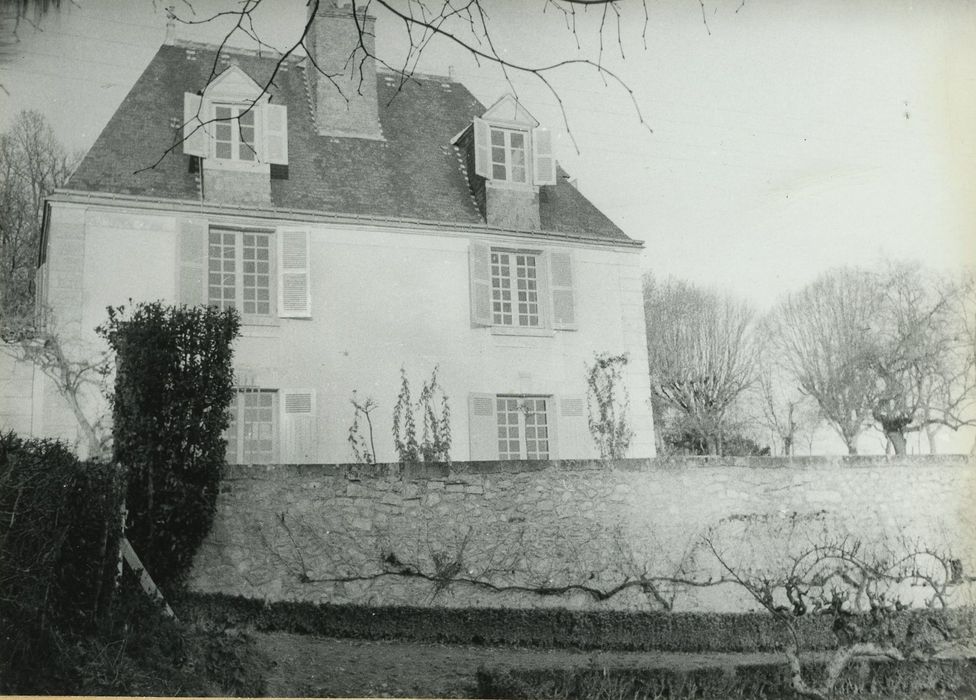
(924, 362)
(702, 356)
(823, 333)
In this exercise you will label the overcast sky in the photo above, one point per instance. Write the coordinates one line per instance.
(780, 139)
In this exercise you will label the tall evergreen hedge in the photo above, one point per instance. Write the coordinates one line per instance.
(173, 388)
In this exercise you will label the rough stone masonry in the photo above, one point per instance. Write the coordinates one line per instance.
(494, 534)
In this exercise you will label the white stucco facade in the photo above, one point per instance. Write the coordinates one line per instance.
(383, 295)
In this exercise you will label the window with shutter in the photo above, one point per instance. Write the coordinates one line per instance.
(234, 130)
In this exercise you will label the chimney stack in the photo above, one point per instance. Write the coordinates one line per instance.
(342, 77)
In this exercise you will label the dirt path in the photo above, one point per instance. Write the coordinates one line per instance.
(318, 666)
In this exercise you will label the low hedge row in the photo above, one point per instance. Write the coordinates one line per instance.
(546, 628)
(949, 678)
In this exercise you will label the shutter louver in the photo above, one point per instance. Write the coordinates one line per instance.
(191, 286)
(294, 293)
(195, 138)
(298, 441)
(544, 165)
(561, 290)
(479, 257)
(482, 148)
(482, 427)
(275, 130)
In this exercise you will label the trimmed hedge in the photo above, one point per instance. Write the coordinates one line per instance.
(173, 387)
(547, 628)
(60, 529)
(951, 678)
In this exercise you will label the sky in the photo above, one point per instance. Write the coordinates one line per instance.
(752, 146)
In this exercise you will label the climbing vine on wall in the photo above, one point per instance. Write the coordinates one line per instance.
(435, 436)
(608, 402)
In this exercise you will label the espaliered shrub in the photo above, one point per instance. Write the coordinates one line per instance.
(60, 529)
(173, 388)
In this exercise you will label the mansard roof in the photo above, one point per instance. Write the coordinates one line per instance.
(414, 173)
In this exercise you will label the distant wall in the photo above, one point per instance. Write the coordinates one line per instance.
(339, 533)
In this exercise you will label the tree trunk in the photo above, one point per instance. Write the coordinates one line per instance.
(788, 446)
(851, 442)
(931, 432)
(897, 440)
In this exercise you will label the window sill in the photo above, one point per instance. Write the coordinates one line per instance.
(259, 321)
(516, 330)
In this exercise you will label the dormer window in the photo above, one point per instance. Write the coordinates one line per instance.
(234, 133)
(509, 154)
(509, 146)
(233, 124)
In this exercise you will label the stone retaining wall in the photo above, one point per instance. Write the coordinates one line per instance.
(479, 534)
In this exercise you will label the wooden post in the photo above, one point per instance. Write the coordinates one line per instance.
(145, 580)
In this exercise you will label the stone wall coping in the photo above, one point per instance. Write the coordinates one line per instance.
(444, 471)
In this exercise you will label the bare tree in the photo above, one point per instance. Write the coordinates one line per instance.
(776, 401)
(923, 360)
(823, 334)
(701, 353)
(32, 164)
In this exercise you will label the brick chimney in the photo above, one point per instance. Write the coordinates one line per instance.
(351, 109)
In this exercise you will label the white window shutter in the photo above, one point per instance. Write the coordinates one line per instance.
(294, 279)
(544, 165)
(275, 130)
(196, 141)
(575, 441)
(298, 433)
(482, 427)
(192, 281)
(561, 290)
(479, 259)
(482, 148)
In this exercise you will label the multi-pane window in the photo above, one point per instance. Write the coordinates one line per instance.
(514, 289)
(509, 155)
(234, 133)
(239, 271)
(523, 427)
(251, 433)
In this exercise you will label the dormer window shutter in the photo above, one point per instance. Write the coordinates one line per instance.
(482, 148)
(294, 283)
(479, 258)
(561, 290)
(275, 134)
(544, 165)
(195, 139)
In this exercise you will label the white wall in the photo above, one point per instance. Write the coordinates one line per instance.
(381, 299)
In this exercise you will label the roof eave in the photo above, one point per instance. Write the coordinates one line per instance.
(199, 207)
